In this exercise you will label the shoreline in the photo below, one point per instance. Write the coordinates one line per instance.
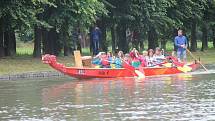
(31, 75)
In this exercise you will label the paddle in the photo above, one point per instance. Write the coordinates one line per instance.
(196, 59)
(131, 68)
(180, 66)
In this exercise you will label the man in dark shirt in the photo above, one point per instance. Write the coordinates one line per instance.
(96, 37)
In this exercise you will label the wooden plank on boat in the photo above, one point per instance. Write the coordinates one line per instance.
(78, 60)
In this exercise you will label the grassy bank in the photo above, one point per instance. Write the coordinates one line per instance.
(206, 57)
(20, 64)
(24, 62)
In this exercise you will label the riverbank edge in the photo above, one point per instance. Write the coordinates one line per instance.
(31, 75)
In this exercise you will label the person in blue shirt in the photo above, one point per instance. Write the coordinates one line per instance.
(181, 44)
(118, 60)
(96, 37)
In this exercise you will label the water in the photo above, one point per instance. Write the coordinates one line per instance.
(179, 97)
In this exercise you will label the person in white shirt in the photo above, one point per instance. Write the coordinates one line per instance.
(158, 56)
(150, 58)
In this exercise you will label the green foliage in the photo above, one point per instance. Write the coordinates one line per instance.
(64, 16)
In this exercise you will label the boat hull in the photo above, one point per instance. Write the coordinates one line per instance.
(119, 72)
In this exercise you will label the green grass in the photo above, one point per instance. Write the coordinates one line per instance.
(20, 64)
(24, 48)
(24, 62)
(206, 57)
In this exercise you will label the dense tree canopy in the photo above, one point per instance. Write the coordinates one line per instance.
(53, 22)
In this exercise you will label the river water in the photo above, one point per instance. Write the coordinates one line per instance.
(178, 97)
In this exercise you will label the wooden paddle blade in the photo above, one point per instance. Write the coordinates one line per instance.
(167, 65)
(140, 74)
(184, 69)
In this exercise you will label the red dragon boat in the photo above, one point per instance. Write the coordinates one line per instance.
(86, 72)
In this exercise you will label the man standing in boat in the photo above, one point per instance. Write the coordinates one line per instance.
(181, 44)
(96, 37)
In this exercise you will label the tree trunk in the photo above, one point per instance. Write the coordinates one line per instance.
(45, 43)
(113, 36)
(141, 45)
(204, 37)
(193, 36)
(66, 44)
(54, 40)
(175, 33)
(91, 39)
(10, 43)
(51, 44)
(152, 38)
(213, 37)
(2, 53)
(66, 50)
(123, 45)
(102, 26)
(163, 44)
(37, 42)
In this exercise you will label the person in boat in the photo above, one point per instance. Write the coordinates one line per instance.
(97, 60)
(135, 58)
(127, 58)
(119, 59)
(150, 58)
(101, 60)
(181, 44)
(111, 59)
(142, 59)
(158, 56)
(110, 56)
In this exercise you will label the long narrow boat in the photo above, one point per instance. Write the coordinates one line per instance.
(78, 72)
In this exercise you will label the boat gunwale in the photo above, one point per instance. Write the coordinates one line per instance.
(87, 68)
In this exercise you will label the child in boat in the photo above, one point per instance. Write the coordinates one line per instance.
(135, 62)
(158, 56)
(105, 61)
(110, 56)
(143, 59)
(118, 60)
(97, 60)
(111, 59)
(150, 58)
(127, 59)
(101, 60)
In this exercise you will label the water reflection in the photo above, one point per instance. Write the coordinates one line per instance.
(182, 97)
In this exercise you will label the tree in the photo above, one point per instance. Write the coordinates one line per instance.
(63, 17)
(15, 15)
(208, 24)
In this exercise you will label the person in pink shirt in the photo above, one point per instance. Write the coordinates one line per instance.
(135, 57)
(142, 59)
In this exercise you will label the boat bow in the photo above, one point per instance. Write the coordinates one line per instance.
(52, 61)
